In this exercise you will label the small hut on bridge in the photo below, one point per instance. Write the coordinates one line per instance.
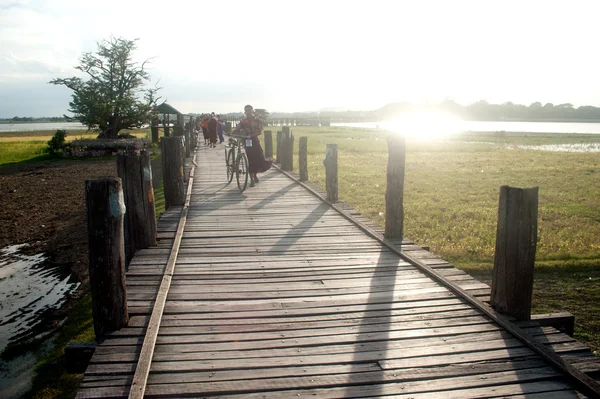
(167, 111)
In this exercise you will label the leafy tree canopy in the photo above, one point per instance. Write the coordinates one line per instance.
(114, 96)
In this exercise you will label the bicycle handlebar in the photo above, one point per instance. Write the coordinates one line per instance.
(238, 137)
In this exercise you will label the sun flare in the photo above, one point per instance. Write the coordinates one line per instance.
(424, 125)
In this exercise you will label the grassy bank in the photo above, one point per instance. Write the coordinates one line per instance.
(451, 202)
(29, 146)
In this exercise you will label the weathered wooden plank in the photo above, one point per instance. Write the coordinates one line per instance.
(359, 385)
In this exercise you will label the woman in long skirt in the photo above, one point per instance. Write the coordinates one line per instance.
(205, 129)
(212, 130)
(252, 127)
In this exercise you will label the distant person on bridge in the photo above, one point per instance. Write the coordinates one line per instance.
(212, 130)
(251, 127)
(204, 125)
(220, 127)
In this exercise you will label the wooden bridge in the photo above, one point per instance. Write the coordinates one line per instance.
(274, 293)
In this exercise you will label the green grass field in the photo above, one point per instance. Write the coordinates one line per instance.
(29, 146)
(452, 187)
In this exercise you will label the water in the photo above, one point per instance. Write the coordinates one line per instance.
(18, 127)
(29, 287)
(489, 126)
(579, 147)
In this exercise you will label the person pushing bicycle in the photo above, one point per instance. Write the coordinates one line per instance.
(252, 127)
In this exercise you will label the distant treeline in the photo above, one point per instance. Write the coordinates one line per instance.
(480, 110)
(508, 111)
(32, 119)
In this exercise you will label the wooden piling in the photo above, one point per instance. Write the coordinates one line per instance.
(278, 150)
(147, 238)
(394, 192)
(268, 144)
(128, 169)
(516, 239)
(154, 131)
(179, 125)
(105, 213)
(173, 179)
(287, 149)
(303, 158)
(331, 172)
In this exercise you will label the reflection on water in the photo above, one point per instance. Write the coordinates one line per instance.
(29, 287)
(18, 127)
(442, 125)
(579, 147)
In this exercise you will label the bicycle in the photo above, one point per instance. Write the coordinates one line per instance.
(237, 162)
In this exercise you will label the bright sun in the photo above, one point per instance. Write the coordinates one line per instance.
(424, 125)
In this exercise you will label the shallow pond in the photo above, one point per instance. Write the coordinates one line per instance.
(30, 287)
(578, 147)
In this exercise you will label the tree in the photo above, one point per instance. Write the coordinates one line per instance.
(110, 100)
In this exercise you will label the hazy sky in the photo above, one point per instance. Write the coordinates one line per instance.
(306, 55)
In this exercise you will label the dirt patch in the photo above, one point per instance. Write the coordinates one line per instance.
(43, 205)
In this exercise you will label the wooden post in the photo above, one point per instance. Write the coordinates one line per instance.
(147, 238)
(394, 192)
(516, 239)
(173, 179)
(285, 134)
(135, 172)
(331, 172)
(287, 150)
(278, 151)
(268, 144)
(105, 212)
(179, 125)
(154, 130)
(303, 158)
(128, 169)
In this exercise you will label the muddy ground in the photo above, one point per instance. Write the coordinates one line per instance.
(44, 205)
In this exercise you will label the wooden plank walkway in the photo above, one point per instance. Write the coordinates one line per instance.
(277, 295)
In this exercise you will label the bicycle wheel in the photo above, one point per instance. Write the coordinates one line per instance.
(242, 172)
(230, 164)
